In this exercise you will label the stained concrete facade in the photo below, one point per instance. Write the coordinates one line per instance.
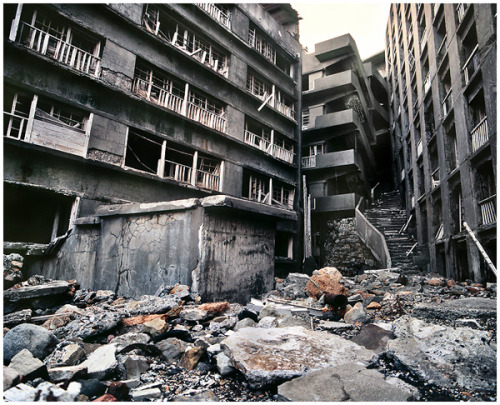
(441, 65)
(147, 103)
(344, 132)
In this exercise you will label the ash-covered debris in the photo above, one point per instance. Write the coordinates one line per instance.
(380, 326)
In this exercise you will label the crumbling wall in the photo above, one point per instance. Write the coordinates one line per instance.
(345, 250)
(237, 259)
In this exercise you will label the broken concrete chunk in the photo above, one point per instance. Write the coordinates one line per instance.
(325, 280)
(269, 356)
(95, 321)
(149, 304)
(172, 348)
(347, 382)
(66, 354)
(47, 391)
(329, 325)
(194, 314)
(290, 320)
(52, 287)
(245, 323)
(28, 366)
(373, 337)
(102, 362)
(58, 374)
(39, 341)
(268, 322)
(448, 356)
(224, 365)
(134, 365)
(191, 357)
(123, 341)
(141, 395)
(15, 318)
(215, 308)
(293, 286)
(355, 314)
(20, 393)
(10, 377)
(154, 327)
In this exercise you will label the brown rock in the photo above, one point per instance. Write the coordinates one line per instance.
(179, 288)
(105, 398)
(477, 285)
(57, 322)
(140, 319)
(154, 327)
(328, 280)
(472, 290)
(191, 358)
(436, 282)
(373, 305)
(450, 283)
(215, 307)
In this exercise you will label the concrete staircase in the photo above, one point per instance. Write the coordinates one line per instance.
(388, 217)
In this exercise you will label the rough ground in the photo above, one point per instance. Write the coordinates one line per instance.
(413, 337)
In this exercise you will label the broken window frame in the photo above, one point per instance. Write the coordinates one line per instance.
(219, 12)
(53, 37)
(184, 39)
(266, 190)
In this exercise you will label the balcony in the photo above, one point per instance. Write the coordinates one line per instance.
(488, 210)
(479, 134)
(268, 147)
(333, 159)
(471, 65)
(427, 82)
(345, 203)
(188, 175)
(217, 13)
(206, 117)
(339, 118)
(145, 89)
(257, 42)
(60, 49)
(435, 180)
(447, 103)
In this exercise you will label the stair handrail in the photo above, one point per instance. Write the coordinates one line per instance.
(408, 253)
(480, 248)
(372, 192)
(403, 228)
(372, 237)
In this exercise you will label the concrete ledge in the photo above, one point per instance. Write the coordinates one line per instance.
(141, 208)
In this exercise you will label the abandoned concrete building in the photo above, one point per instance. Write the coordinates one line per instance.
(111, 111)
(155, 144)
(345, 133)
(441, 67)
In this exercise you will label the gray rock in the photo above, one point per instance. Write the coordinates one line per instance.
(224, 365)
(346, 382)
(275, 310)
(293, 286)
(134, 365)
(245, 323)
(102, 362)
(149, 393)
(149, 304)
(355, 298)
(172, 348)
(205, 396)
(193, 314)
(448, 356)
(10, 377)
(58, 374)
(355, 314)
(268, 322)
(94, 321)
(27, 365)
(123, 341)
(290, 320)
(66, 354)
(223, 325)
(39, 341)
(269, 356)
(214, 350)
(373, 337)
(329, 325)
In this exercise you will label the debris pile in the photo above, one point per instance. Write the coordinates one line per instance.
(318, 338)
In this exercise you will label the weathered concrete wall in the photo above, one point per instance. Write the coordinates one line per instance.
(345, 250)
(237, 259)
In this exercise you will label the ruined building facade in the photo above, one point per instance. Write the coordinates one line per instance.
(441, 66)
(345, 133)
(111, 111)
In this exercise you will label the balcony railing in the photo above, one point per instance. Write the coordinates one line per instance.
(305, 119)
(15, 126)
(435, 178)
(56, 48)
(309, 161)
(488, 210)
(427, 82)
(471, 64)
(447, 103)
(208, 180)
(461, 9)
(162, 97)
(206, 117)
(420, 148)
(479, 134)
(284, 109)
(178, 172)
(265, 145)
(216, 13)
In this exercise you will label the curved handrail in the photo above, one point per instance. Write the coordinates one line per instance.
(372, 237)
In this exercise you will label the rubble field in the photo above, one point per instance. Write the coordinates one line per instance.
(376, 336)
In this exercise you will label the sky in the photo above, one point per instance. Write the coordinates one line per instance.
(366, 22)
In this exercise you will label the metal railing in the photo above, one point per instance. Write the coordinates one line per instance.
(471, 64)
(165, 99)
(56, 48)
(14, 126)
(488, 210)
(256, 141)
(284, 109)
(206, 117)
(372, 237)
(265, 145)
(447, 103)
(479, 134)
(309, 161)
(281, 153)
(216, 13)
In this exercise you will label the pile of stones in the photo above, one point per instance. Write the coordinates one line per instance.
(385, 342)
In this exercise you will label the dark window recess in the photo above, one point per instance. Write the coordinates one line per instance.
(143, 153)
(34, 215)
(283, 245)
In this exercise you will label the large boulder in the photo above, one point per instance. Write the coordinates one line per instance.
(328, 280)
(270, 356)
(39, 341)
(451, 357)
(347, 382)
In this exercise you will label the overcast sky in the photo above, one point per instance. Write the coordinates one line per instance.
(366, 22)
